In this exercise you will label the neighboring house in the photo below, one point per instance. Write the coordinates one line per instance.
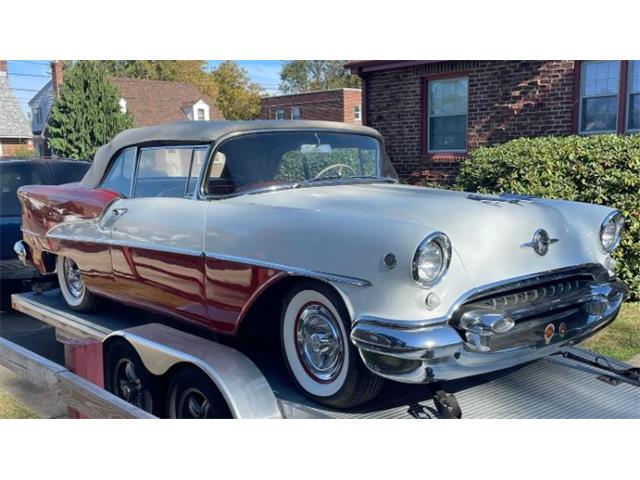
(150, 102)
(15, 133)
(339, 105)
(432, 113)
(40, 106)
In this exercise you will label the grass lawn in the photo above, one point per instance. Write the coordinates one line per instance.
(621, 339)
(10, 408)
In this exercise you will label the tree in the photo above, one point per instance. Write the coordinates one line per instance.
(87, 112)
(307, 75)
(238, 98)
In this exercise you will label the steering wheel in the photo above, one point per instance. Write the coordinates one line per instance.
(341, 166)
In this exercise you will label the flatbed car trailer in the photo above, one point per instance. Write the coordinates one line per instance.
(571, 384)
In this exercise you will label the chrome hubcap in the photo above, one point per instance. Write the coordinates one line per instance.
(73, 278)
(319, 342)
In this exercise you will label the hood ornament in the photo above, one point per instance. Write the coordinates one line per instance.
(540, 242)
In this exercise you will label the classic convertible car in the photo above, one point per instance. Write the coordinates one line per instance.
(231, 225)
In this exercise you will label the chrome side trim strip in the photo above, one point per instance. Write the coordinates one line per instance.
(291, 270)
(330, 277)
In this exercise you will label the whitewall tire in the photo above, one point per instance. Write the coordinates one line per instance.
(315, 341)
(72, 286)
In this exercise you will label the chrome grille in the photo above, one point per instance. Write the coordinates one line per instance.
(543, 293)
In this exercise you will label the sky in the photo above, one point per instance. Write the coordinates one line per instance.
(28, 76)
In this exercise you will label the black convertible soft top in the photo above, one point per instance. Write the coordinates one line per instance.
(205, 132)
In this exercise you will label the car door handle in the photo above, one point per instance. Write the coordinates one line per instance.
(117, 212)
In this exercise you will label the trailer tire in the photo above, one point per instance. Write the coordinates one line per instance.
(126, 376)
(192, 395)
(76, 294)
(319, 356)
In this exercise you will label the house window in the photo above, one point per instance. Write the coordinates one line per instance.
(633, 102)
(295, 113)
(279, 114)
(37, 115)
(599, 88)
(201, 114)
(447, 103)
(357, 112)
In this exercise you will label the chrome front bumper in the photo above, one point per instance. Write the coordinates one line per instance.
(461, 348)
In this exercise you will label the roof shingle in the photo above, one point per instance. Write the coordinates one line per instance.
(152, 102)
(13, 123)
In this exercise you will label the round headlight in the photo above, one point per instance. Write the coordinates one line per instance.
(431, 260)
(611, 231)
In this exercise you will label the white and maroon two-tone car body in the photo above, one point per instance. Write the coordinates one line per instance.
(217, 223)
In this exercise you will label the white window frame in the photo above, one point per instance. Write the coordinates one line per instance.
(429, 116)
(299, 113)
(581, 96)
(279, 114)
(357, 112)
(204, 114)
(632, 65)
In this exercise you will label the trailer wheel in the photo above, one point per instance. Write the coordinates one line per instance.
(127, 377)
(192, 394)
(75, 292)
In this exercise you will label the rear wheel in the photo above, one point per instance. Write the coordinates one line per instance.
(319, 356)
(73, 288)
(192, 394)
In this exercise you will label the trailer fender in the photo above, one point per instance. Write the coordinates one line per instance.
(245, 389)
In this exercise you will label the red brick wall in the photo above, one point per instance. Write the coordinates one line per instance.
(332, 105)
(352, 98)
(507, 99)
(11, 146)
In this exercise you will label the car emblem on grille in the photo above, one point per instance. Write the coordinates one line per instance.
(540, 242)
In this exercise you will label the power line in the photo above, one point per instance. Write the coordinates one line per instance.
(28, 75)
(37, 62)
(25, 90)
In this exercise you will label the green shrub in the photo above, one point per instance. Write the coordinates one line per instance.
(601, 169)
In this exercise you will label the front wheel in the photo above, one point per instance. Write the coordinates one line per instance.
(322, 361)
(73, 288)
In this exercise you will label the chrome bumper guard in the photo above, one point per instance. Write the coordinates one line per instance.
(490, 333)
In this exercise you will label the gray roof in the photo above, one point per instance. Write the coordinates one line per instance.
(203, 132)
(13, 123)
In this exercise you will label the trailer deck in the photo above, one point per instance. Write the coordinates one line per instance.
(553, 387)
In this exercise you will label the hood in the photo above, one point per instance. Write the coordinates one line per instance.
(488, 233)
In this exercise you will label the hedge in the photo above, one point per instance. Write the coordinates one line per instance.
(601, 169)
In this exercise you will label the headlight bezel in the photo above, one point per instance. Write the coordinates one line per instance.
(442, 241)
(618, 220)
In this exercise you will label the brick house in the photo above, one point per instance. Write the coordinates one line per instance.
(15, 133)
(150, 102)
(339, 105)
(432, 113)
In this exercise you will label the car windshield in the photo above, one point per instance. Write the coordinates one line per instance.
(269, 161)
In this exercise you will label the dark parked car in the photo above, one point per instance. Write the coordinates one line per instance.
(14, 173)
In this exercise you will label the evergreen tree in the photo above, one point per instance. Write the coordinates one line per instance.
(87, 113)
